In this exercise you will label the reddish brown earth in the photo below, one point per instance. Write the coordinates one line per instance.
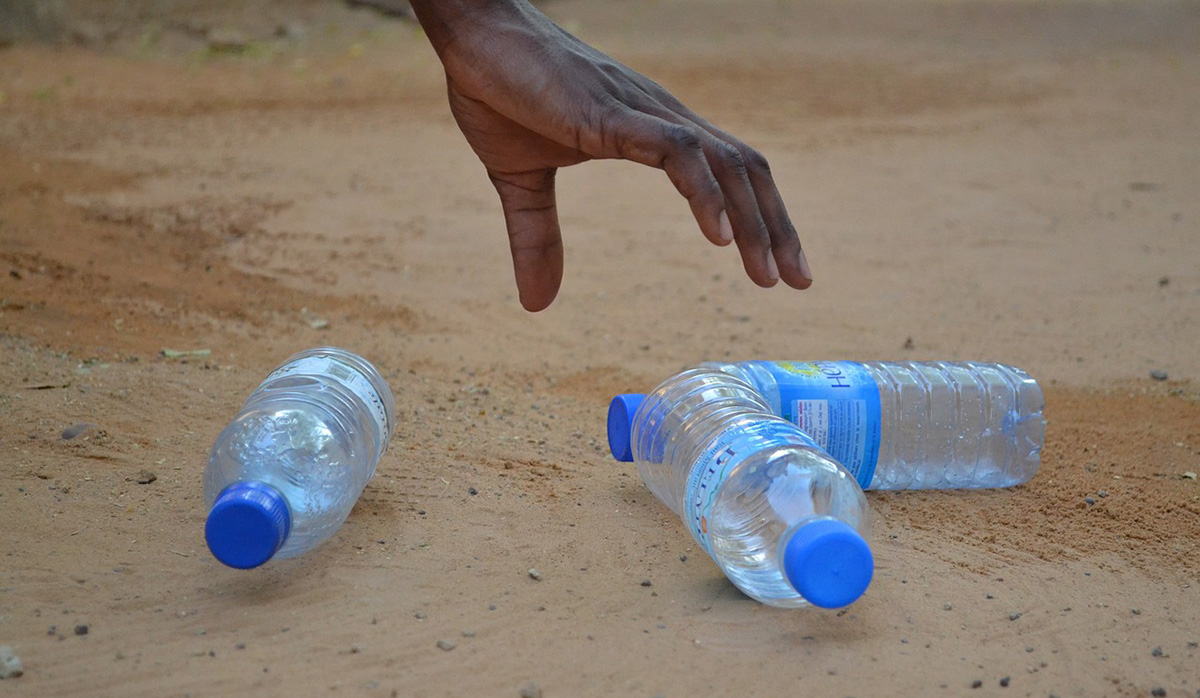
(997, 180)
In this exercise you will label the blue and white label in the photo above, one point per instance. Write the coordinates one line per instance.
(837, 404)
(715, 465)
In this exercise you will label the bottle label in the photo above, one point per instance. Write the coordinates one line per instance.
(718, 461)
(348, 376)
(837, 404)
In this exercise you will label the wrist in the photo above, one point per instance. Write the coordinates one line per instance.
(442, 20)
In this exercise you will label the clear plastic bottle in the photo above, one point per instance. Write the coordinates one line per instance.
(780, 518)
(910, 424)
(285, 473)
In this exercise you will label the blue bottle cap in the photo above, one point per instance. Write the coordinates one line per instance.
(620, 423)
(828, 562)
(248, 523)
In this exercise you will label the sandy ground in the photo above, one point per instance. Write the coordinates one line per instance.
(997, 180)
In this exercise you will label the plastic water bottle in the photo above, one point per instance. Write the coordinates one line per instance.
(779, 517)
(284, 475)
(911, 425)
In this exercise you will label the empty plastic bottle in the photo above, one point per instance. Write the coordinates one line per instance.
(911, 425)
(779, 517)
(284, 475)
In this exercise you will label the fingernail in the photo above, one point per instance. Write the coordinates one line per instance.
(724, 230)
(804, 270)
(772, 268)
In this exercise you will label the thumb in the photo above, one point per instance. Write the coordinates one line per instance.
(531, 215)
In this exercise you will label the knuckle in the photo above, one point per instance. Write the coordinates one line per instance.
(610, 69)
(731, 159)
(683, 137)
(757, 162)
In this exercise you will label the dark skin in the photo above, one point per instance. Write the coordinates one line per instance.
(531, 98)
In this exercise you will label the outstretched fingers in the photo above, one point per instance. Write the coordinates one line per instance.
(783, 241)
(678, 150)
(750, 231)
(712, 175)
(534, 237)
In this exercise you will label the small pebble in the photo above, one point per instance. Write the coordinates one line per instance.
(1156, 652)
(1089, 500)
(946, 607)
(1102, 493)
(534, 574)
(446, 645)
(472, 491)
(646, 582)
(1004, 682)
(292, 30)
(1158, 692)
(419, 615)
(75, 430)
(10, 663)
(468, 633)
(1136, 611)
(530, 690)
(227, 39)
(1014, 615)
(976, 683)
(145, 477)
(1158, 375)
(81, 630)
(240, 646)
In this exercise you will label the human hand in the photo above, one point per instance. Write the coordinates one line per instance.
(531, 98)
